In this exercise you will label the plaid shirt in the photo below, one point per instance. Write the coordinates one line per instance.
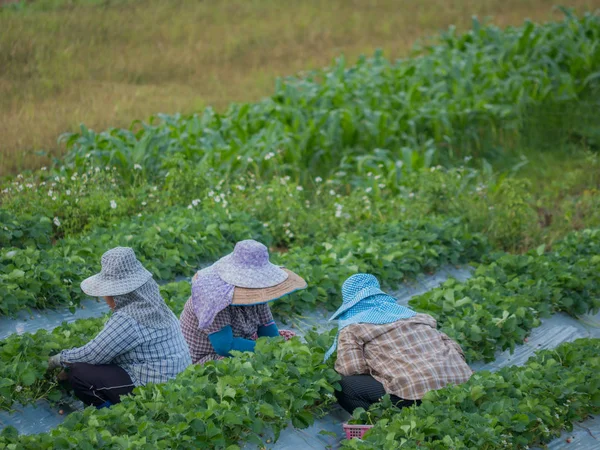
(148, 355)
(244, 321)
(410, 357)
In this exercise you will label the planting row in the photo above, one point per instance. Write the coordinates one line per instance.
(217, 404)
(454, 95)
(23, 375)
(243, 399)
(514, 408)
(176, 243)
(504, 300)
(493, 312)
(168, 245)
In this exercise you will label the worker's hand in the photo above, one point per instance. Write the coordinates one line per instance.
(62, 376)
(54, 362)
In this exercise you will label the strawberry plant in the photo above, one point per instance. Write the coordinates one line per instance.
(23, 375)
(515, 408)
(225, 402)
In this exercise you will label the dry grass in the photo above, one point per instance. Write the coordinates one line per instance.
(105, 64)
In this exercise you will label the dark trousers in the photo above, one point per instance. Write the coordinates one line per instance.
(95, 385)
(361, 391)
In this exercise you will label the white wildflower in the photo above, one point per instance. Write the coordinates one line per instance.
(18, 388)
(269, 155)
(56, 222)
(217, 199)
(113, 204)
(266, 225)
(299, 188)
(190, 207)
(195, 202)
(54, 198)
(68, 192)
(411, 195)
(137, 167)
(318, 179)
(369, 189)
(44, 168)
(144, 203)
(332, 192)
(211, 193)
(250, 160)
(381, 185)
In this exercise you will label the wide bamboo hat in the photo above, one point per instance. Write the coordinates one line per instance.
(255, 278)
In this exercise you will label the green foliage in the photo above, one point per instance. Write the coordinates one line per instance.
(168, 244)
(217, 404)
(23, 375)
(504, 301)
(449, 102)
(513, 408)
(25, 231)
(394, 252)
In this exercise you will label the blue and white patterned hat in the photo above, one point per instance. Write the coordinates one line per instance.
(365, 302)
(121, 274)
(357, 288)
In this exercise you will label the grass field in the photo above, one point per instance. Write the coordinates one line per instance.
(106, 63)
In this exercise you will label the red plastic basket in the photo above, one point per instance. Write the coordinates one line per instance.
(356, 431)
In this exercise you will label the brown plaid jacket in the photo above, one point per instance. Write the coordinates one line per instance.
(410, 357)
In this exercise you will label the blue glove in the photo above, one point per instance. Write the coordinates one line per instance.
(268, 330)
(223, 342)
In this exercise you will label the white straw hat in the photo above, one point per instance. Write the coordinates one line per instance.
(121, 274)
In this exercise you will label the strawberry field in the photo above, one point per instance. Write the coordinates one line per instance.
(480, 152)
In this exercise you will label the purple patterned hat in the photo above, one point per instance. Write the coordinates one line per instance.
(242, 278)
(249, 267)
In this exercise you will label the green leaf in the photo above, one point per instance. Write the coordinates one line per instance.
(28, 378)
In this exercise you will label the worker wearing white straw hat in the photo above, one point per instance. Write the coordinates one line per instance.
(229, 307)
(141, 342)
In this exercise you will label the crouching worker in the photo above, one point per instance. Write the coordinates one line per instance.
(385, 348)
(228, 308)
(141, 342)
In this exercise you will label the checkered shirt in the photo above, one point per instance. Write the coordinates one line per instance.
(244, 321)
(410, 357)
(148, 355)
